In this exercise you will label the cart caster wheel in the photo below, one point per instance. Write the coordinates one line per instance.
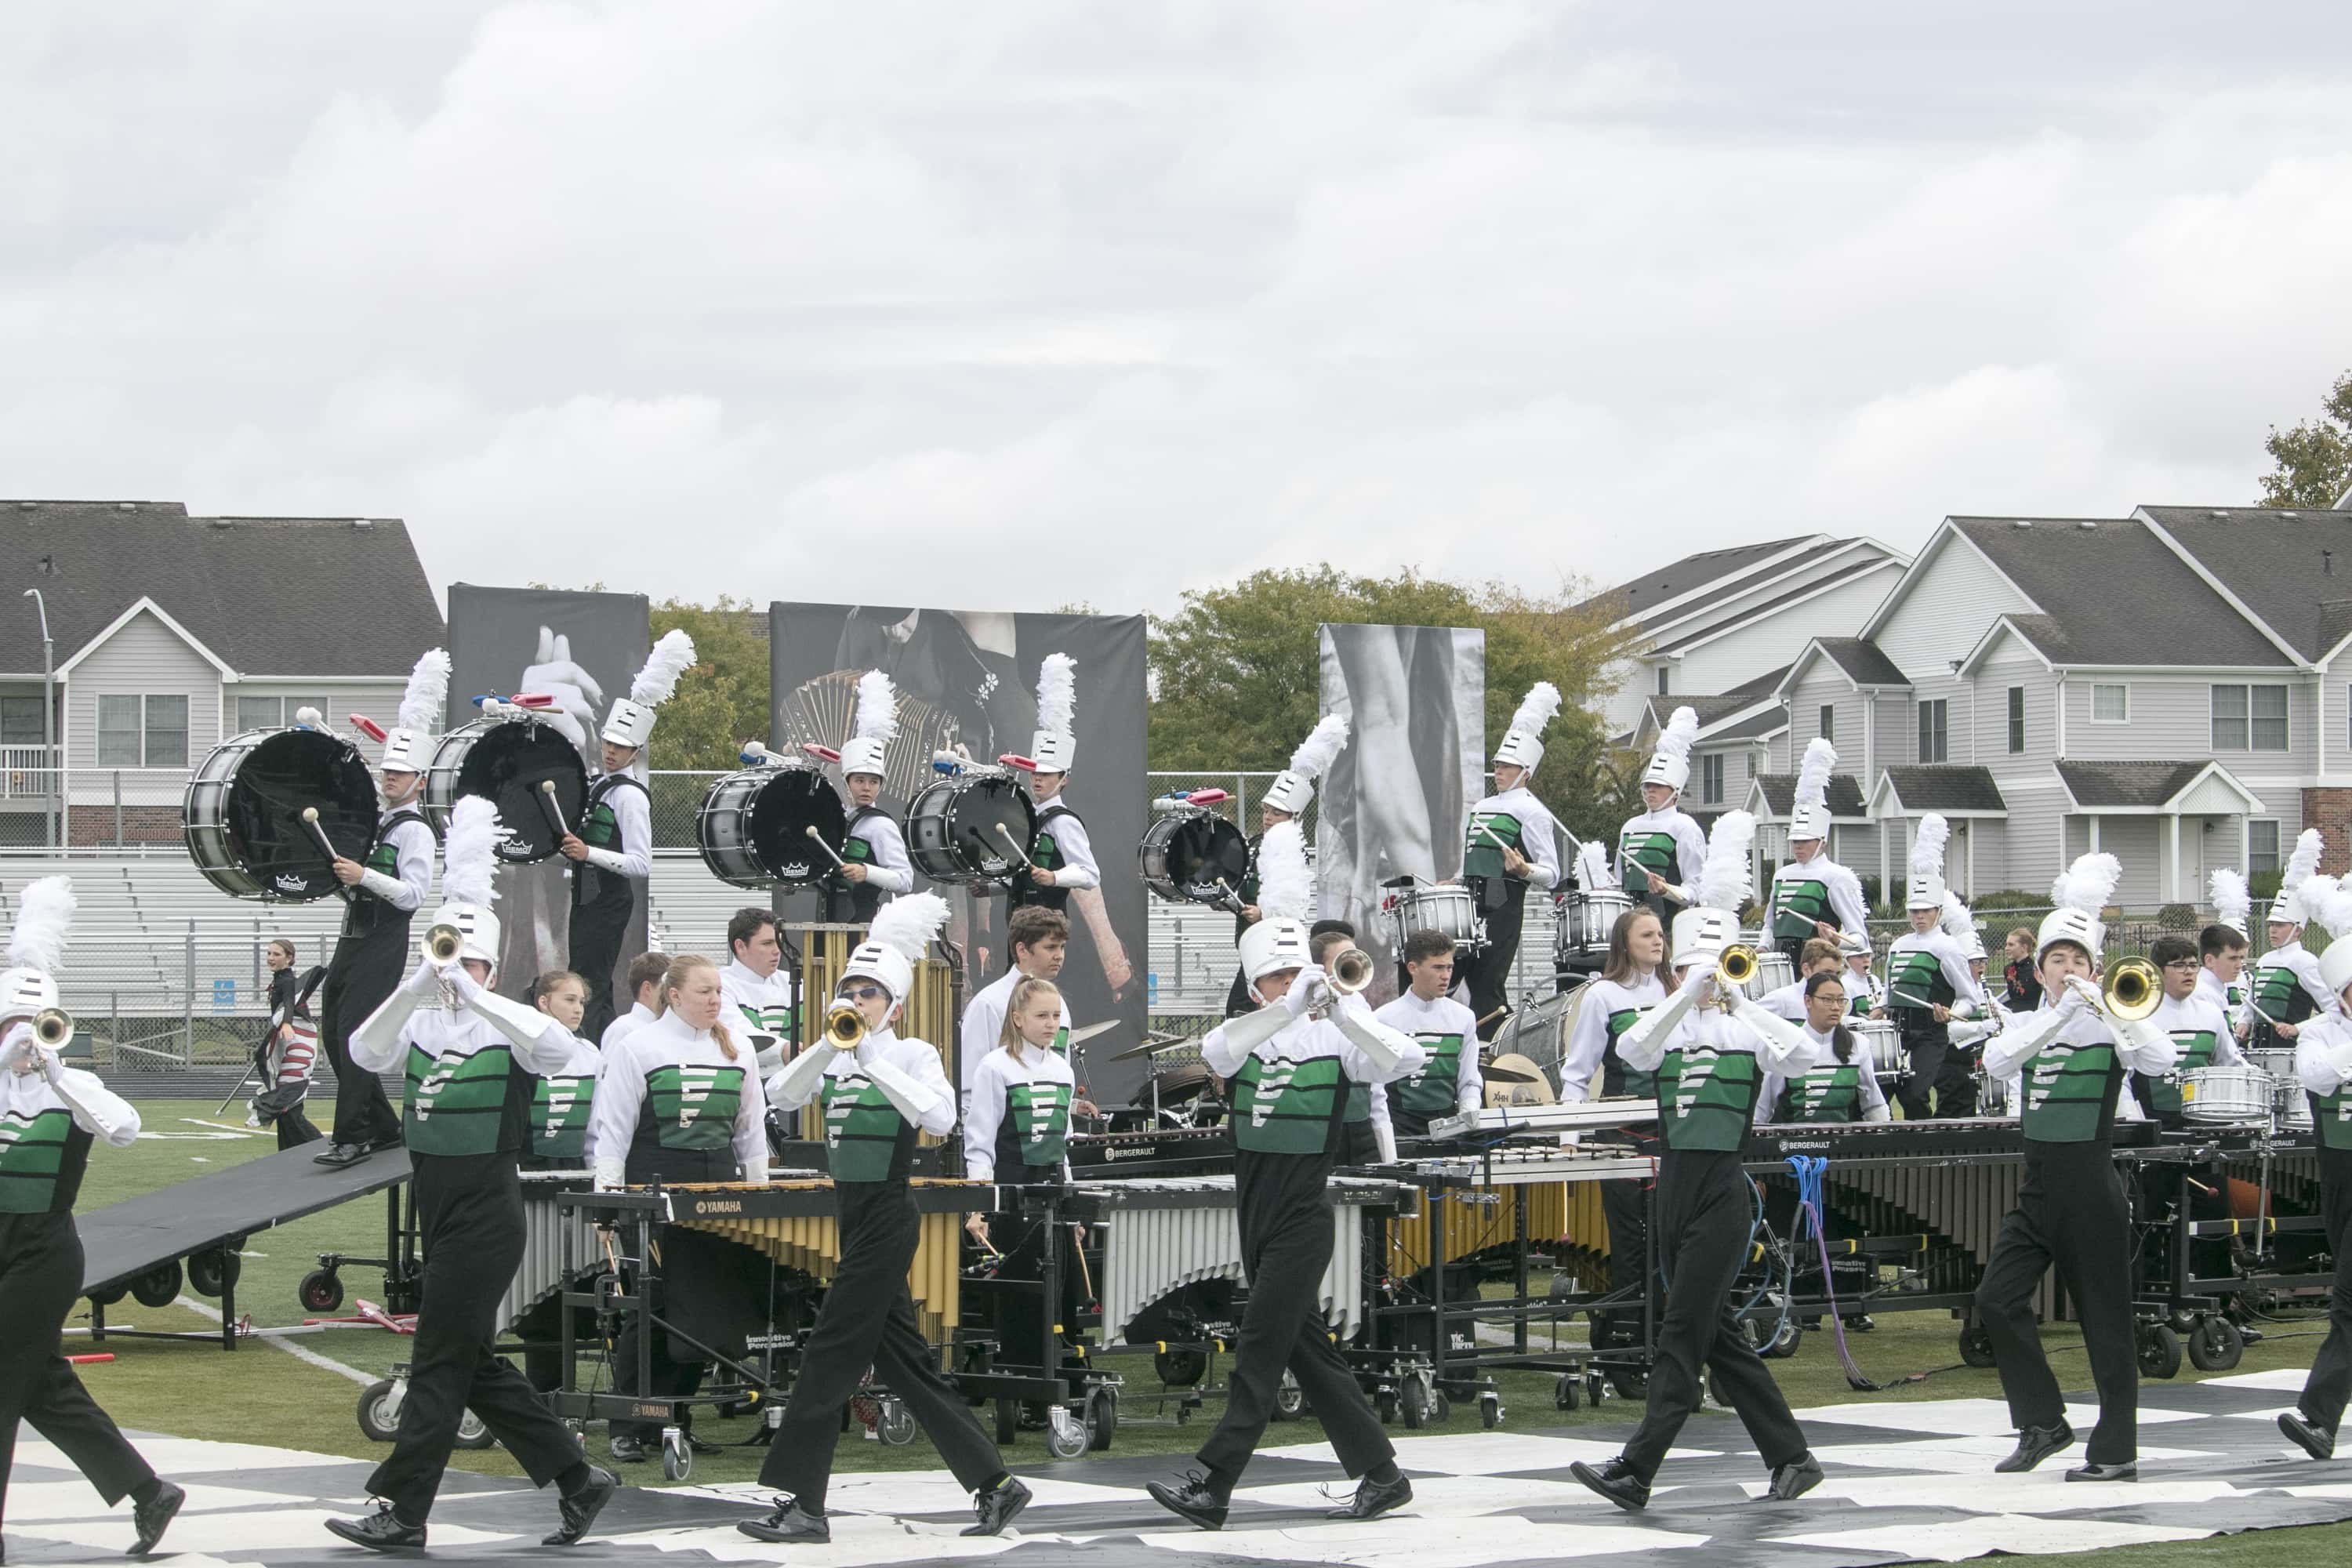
(107, 1296)
(1975, 1344)
(1413, 1404)
(379, 1410)
(1289, 1399)
(1783, 1342)
(1385, 1404)
(1179, 1368)
(473, 1434)
(1065, 1435)
(1490, 1410)
(1102, 1417)
(1008, 1421)
(214, 1269)
(2159, 1351)
(1596, 1389)
(1631, 1382)
(322, 1290)
(2215, 1344)
(897, 1424)
(1441, 1408)
(677, 1457)
(1184, 1414)
(158, 1286)
(1567, 1393)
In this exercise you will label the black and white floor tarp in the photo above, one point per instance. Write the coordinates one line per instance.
(1907, 1482)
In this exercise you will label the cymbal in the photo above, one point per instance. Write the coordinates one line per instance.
(1154, 1041)
(1080, 1037)
(1495, 1072)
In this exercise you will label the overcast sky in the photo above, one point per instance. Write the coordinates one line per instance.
(1036, 303)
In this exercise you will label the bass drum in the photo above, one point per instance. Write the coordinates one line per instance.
(753, 826)
(507, 761)
(1194, 857)
(242, 813)
(972, 827)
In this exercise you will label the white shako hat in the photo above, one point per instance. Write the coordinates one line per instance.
(2233, 902)
(631, 721)
(1925, 888)
(1057, 746)
(1809, 814)
(2081, 891)
(408, 744)
(1294, 786)
(876, 724)
(901, 933)
(470, 879)
(1285, 896)
(37, 946)
(2288, 908)
(1704, 930)
(1669, 765)
(2331, 906)
(1523, 743)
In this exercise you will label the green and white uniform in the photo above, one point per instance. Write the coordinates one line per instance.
(760, 1006)
(1018, 1126)
(1604, 1010)
(1815, 890)
(2287, 988)
(1450, 1081)
(670, 1104)
(1667, 842)
(982, 1030)
(2202, 1034)
(2323, 1065)
(561, 1104)
(1832, 1089)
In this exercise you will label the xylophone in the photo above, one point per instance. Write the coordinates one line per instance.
(1152, 1150)
(559, 1242)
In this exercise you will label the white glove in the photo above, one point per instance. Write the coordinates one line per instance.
(422, 981)
(575, 691)
(1698, 980)
(2082, 993)
(461, 981)
(1305, 992)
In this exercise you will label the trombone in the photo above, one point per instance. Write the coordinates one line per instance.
(1736, 966)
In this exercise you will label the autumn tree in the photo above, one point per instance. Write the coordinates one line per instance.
(2311, 465)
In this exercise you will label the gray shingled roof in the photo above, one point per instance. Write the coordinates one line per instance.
(1647, 593)
(2127, 784)
(1845, 795)
(1946, 788)
(340, 599)
(1782, 601)
(2286, 565)
(1770, 722)
(1863, 662)
(1762, 685)
(1708, 709)
(2113, 593)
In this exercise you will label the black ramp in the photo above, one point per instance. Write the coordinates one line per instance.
(127, 1239)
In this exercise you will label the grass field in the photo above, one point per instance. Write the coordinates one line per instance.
(258, 1394)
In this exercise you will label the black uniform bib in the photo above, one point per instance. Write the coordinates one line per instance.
(1046, 854)
(599, 895)
(848, 902)
(369, 919)
(41, 1161)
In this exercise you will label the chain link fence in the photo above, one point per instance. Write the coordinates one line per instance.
(146, 1010)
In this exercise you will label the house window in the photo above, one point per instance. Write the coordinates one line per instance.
(2250, 719)
(1710, 775)
(1663, 680)
(259, 712)
(20, 720)
(2262, 848)
(1750, 762)
(167, 731)
(142, 731)
(2016, 720)
(1829, 722)
(1932, 736)
(120, 722)
(2111, 704)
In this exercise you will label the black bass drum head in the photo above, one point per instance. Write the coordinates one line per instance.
(787, 806)
(278, 777)
(508, 764)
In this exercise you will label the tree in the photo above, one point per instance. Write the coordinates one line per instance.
(724, 700)
(1236, 681)
(2313, 462)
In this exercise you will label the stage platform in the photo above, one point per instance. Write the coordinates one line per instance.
(1907, 1481)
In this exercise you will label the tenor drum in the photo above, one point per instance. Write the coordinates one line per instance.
(507, 761)
(1451, 909)
(975, 825)
(1193, 857)
(752, 827)
(2227, 1094)
(1586, 921)
(241, 815)
(1883, 1043)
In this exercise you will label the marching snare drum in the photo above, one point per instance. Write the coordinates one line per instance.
(1992, 1095)
(1453, 910)
(752, 827)
(1883, 1043)
(973, 825)
(1192, 855)
(2227, 1094)
(507, 761)
(1586, 921)
(1773, 970)
(2293, 1109)
(241, 815)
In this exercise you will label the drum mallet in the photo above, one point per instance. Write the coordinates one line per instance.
(310, 821)
(1019, 854)
(555, 810)
(818, 839)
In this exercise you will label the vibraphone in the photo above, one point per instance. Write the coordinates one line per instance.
(559, 1243)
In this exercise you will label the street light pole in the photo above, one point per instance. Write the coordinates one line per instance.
(48, 723)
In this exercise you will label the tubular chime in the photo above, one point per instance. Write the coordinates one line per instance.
(932, 1012)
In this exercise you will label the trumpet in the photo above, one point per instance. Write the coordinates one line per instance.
(2131, 989)
(845, 1025)
(1736, 966)
(1349, 970)
(443, 942)
(53, 1026)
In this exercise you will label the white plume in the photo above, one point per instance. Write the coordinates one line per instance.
(671, 657)
(1284, 886)
(428, 692)
(468, 863)
(2233, 902)
(1316, 753)
(2089, 884)
(1593, 867)
(2332, 907)
(1681, 730)
(1956, 921)
(910, 923)
(1538, 707)
(45, 913)
(1057, 694)
(1727, 878)
(1928, 846)
(1813, 772)
(878, 708)
(2303, 862)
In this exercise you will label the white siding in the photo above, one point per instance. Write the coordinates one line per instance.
(2036, 807)
(1823, 687)
(379, 702)
(1901, 747)
(1990, 732)
(146, 657)
(1991, 836)
(1946, 609)
(1775, 640)
(1896, 736)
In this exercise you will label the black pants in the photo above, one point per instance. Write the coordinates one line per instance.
(2330, 1383)
(1488, 974)
(600, 922)
(1625, 1208)
(1285, 1229)
(2071, 1211)
(366, 970)
(40, 1274)
(469, 1216)
(1020, 1316)
(294, 1128)
(1936, 1063)
(868, 1319)
(1705, 1210)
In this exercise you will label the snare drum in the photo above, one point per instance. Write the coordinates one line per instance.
(1586, 923)
(507, 761)
(752, 827)
(1884, 1045)
(1453, 910)
(975, 825)
(1192, 855)
(2227, 1094)
(241, 815)
(1773, 970)
(2293, 1109)
(1992, 1095)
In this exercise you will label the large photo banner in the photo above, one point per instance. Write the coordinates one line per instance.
(968, 680)
(582, 650)
(1394, 803)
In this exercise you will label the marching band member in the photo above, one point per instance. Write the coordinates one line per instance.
(1817, 956)
(289, 1051)
(611, 850)
(1512, 846)
(1659, 853)
(2323, 1065)
(1290, 1068)
(563, 1102)
(1865, 994)
(874, 849)
(469, 1055)
(1039, 939)
(877, 1094)
(1812, 896)
(2072, 1056)
(1062, 856)
(2199, 1031)
(2221, 949)
(2020, 985)
(755, 985)
(1594, 1069)
(49, 1115)
(1836, 1088)
(380, 895)
(680, 1101)
(1928, 985)
(2287, 987)
(1367, 1134)
(647, 972)
(1711, 1050)
(1016, 1133)
(1285, 800)
(1447, 1032)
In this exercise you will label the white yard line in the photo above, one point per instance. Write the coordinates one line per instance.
(299, 1353)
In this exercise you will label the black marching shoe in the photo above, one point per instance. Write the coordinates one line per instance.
(1374, 1499)
(380, 1531)
(996, 1508)
(1616, 1481)
(1794, 1479)
(2307, 1435)
(152, 1518)
(579, 1508)
(626, 1450)
(1193, 1501)
(2035, 1444)
(785, 1525)
(341, 1154)
(2127, 1471)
